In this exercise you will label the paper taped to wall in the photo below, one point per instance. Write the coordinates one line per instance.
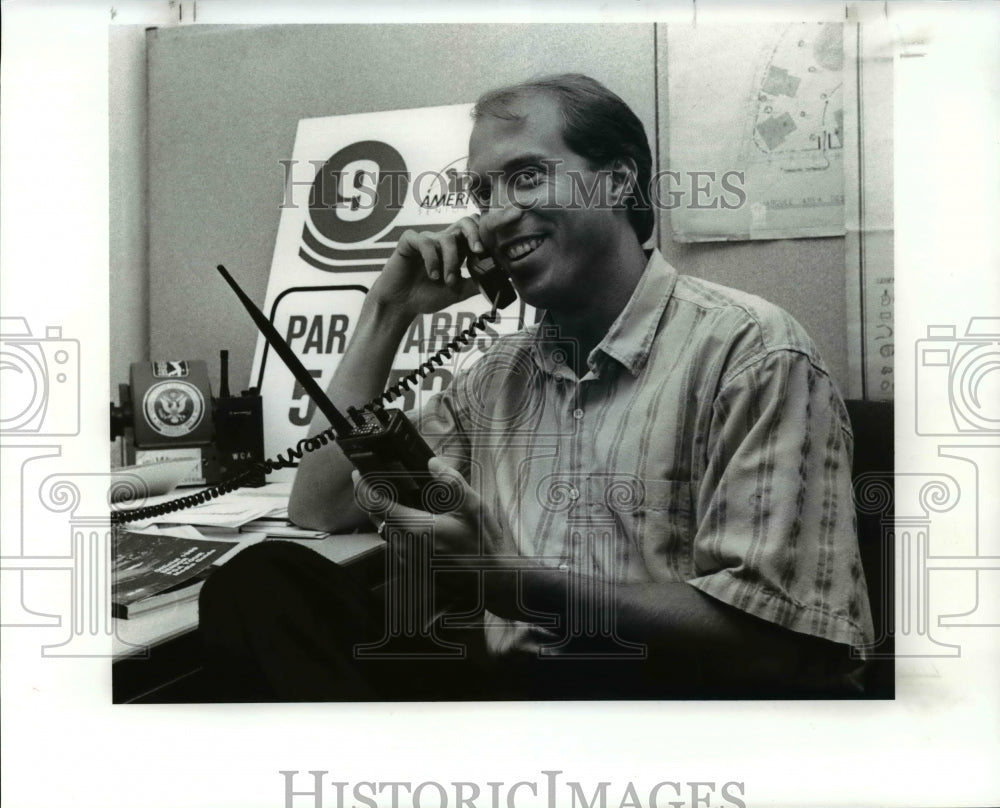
(756, 132)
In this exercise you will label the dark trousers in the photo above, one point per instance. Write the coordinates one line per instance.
(279, 622)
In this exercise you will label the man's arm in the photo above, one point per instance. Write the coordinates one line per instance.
(422, 275)
(703, 640)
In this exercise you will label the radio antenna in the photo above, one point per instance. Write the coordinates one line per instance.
(339, 423)
(224, 374)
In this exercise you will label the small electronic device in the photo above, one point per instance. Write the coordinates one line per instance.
(239, 430)
(167, 412)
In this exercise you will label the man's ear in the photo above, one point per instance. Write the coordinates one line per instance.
(624, 180)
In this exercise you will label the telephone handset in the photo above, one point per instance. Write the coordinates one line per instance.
(492, 280)
(383, 444)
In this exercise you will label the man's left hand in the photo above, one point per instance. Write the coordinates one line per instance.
(468, 535)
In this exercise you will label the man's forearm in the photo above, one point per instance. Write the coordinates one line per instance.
(322, 494)
(675, 621)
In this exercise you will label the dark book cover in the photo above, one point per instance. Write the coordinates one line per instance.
(146, 565)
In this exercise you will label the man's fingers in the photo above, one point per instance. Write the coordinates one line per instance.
(450, 260)
(439, 468)
(431, 256)
(469, 225)
(469, 503)
(451, 492)
(458, 241)
(376, 496)
(443, 253)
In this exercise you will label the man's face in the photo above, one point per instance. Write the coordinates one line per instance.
(538, 221)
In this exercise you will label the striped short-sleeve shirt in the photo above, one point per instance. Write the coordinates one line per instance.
(706, 443)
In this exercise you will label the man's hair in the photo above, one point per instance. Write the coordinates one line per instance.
(597, 125)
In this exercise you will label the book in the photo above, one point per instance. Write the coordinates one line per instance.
(183, 593)
(150, 571)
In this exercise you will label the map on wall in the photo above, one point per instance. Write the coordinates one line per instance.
(756, 132)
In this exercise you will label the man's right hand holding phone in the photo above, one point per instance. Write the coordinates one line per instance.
(424, 273)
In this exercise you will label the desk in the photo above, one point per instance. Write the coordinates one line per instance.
(156, 655)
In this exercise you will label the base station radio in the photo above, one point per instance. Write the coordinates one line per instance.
(167, 412)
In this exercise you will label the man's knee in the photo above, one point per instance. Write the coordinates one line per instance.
(268, 579)
(245, 575)
(264, 575)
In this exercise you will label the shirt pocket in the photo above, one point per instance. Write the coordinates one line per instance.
(665, 529)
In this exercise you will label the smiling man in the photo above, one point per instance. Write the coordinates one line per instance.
(653, 482)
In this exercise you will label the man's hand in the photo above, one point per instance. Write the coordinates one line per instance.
(424, 273)
(467, 535)
(471, 560)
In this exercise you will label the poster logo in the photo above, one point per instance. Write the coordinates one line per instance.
(451, 187)
(355, 196)
(173, 409)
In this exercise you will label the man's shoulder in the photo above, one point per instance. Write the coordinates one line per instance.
(754, 321)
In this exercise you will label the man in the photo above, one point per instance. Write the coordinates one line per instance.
(653, 483)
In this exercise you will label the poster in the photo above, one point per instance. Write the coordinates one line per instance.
(756, 127)
(354, 184)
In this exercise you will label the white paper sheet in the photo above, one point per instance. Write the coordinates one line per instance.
(756, 131)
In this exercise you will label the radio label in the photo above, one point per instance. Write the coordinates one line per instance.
(170, 369)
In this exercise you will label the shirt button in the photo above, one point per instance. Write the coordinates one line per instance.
(578, 413)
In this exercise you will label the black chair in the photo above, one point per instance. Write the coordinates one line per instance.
(872, 422)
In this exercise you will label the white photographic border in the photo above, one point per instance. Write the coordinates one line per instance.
(65, 743)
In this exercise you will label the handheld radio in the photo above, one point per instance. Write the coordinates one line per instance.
(383, 444)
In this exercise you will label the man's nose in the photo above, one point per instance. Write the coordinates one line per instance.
(503, 213)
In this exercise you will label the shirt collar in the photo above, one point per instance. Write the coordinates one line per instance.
(630, 337)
